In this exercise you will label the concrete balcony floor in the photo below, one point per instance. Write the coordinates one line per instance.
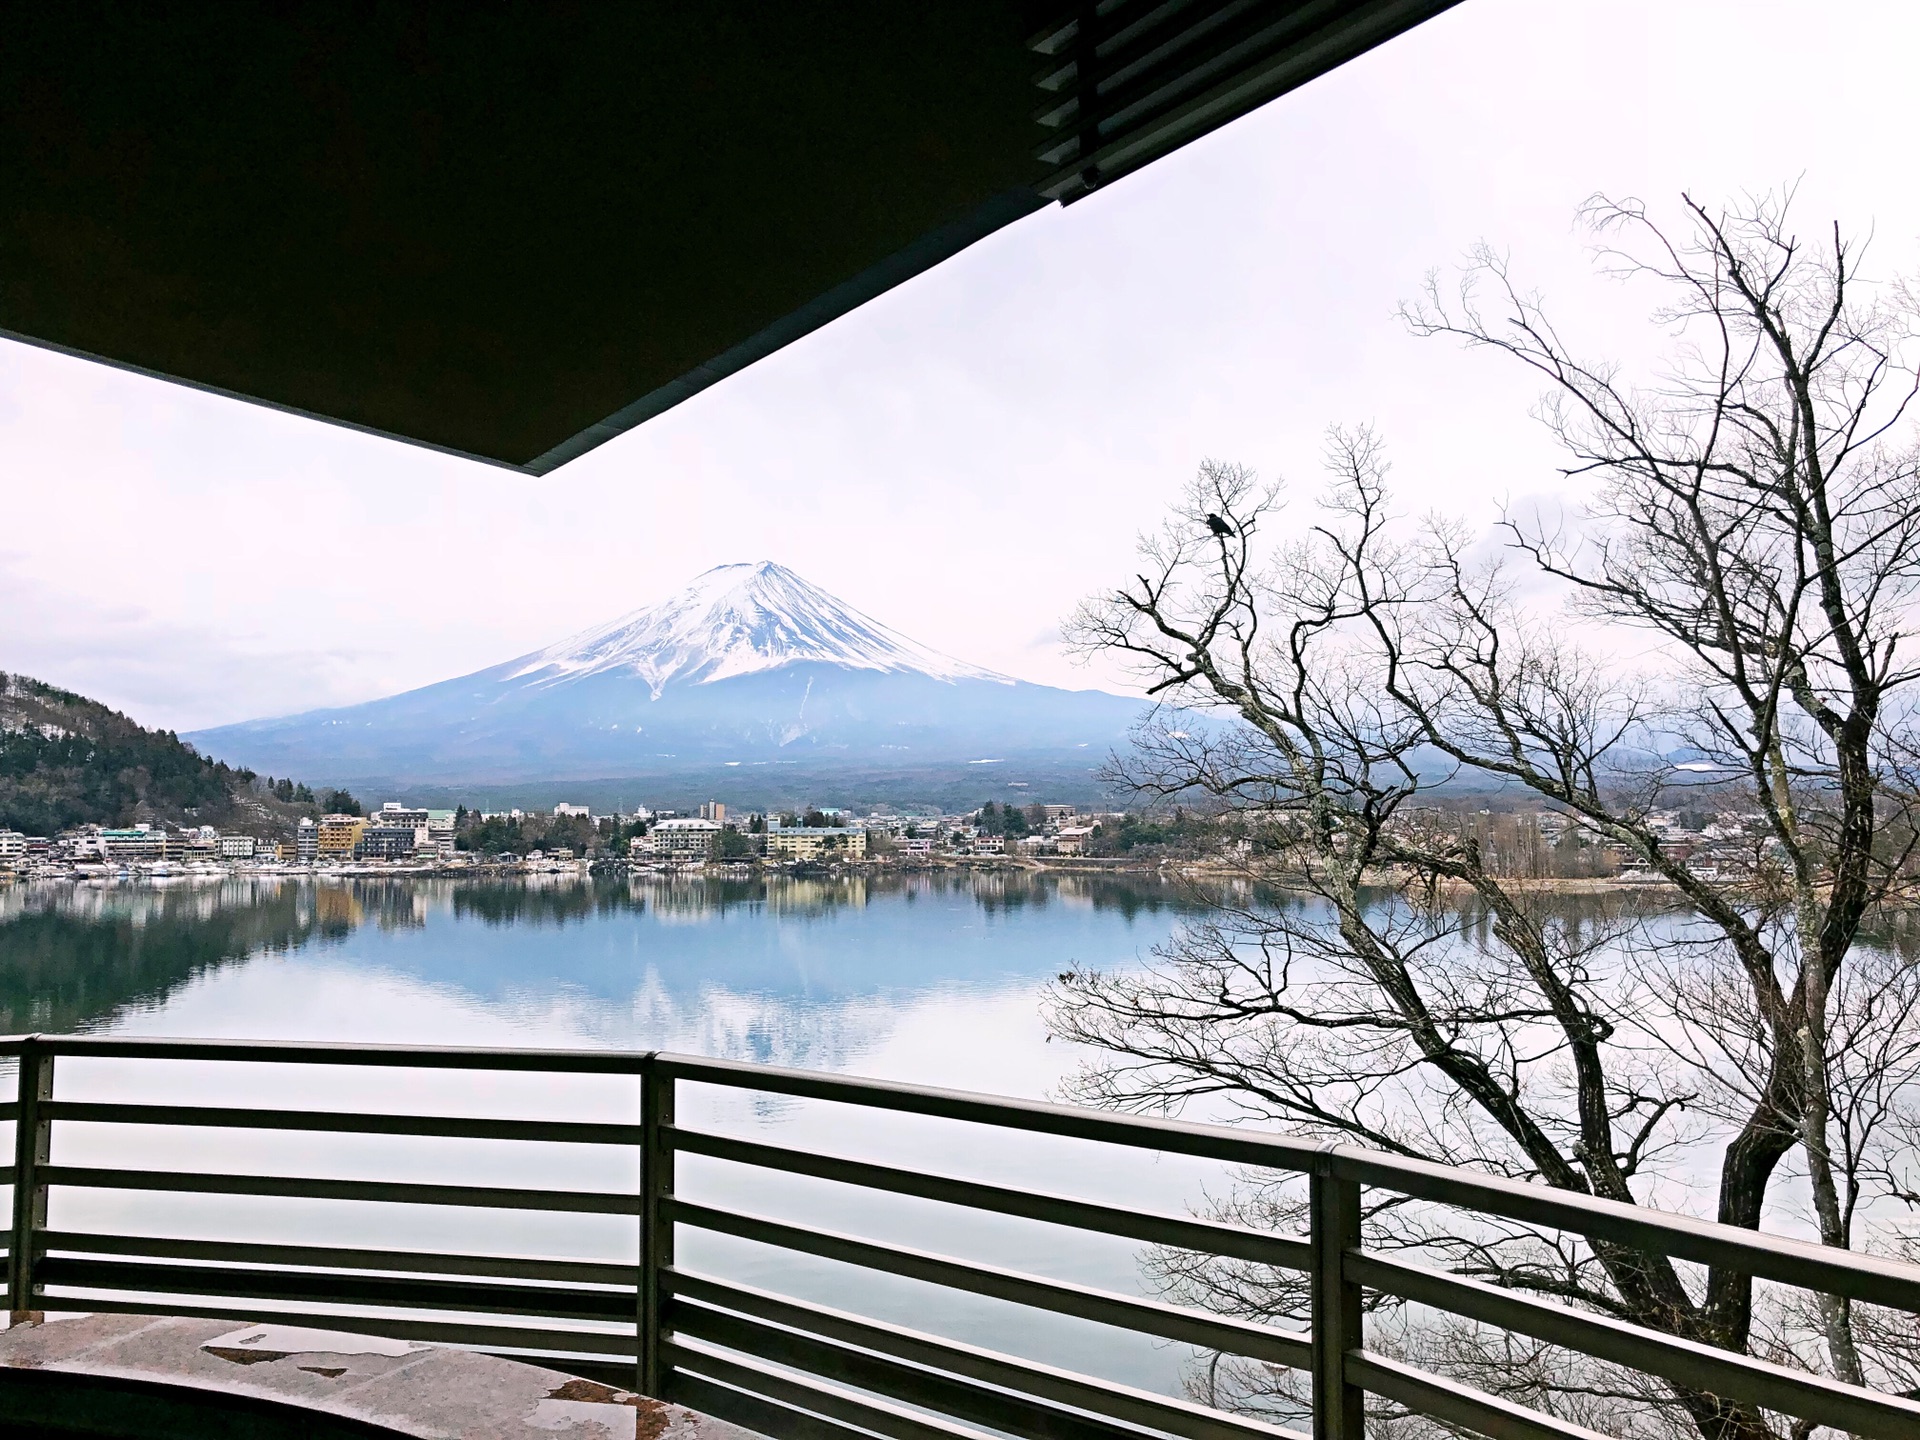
(164, 1376)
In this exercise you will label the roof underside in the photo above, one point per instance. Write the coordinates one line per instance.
(514, 231)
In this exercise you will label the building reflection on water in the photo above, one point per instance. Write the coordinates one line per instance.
(75, 956)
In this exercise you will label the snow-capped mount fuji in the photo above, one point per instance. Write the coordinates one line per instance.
(749, 666)
(737, 620)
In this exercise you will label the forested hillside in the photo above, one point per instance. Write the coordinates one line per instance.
(66, 760)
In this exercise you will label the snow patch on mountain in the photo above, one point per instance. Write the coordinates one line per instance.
(737, 620)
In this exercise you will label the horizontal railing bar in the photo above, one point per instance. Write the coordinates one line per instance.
(1180, 1231)
(495, 1267)
(1102, 1397)
(346, 1122)
(9, 1110)
(752, 1412)
(311, 1052)
(1217, 1142)
(867, 1411)
(1817, 1267)
(389, 1192)
(1456, 1404)
(1872, 1278)
(1239, 1337)
(588, 1342)
(315, 1287)
(1701, 1367)
(1011, 1411)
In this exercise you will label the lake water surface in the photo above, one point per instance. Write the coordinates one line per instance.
(935, 979)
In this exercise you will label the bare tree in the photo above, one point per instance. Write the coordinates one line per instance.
(1756, 512)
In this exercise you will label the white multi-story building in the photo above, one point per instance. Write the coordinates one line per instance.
(237, 847)
(13, 846)
(560, 810)
(81, 846)
(688, 839)
(816, 843)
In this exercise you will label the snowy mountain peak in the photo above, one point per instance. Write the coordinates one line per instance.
(734, 620)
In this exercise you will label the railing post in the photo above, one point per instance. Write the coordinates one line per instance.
(32, 1148)
(656, 1229)
(1333, 1205)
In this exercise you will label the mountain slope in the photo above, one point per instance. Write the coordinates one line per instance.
(749, 665)
(66, 760)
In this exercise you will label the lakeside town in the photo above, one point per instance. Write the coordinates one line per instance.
(403, 838)
(399, 838)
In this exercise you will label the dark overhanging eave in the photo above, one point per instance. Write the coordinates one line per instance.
(226, 394)
(897, 269)
(1270, 72)
(363, 225)
(923, 254)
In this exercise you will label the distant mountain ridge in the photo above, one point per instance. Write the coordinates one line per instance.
(750, 665)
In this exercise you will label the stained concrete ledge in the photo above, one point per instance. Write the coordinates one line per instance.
(161, 1377)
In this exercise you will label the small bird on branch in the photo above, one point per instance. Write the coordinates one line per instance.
(1217, 525)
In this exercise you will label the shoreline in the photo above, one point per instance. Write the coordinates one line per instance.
(1168, 868)
(584, 869)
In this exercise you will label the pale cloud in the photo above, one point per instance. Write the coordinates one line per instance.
(164, 672)
(971, 454)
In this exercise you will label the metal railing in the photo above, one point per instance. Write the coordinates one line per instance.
(788, 1367)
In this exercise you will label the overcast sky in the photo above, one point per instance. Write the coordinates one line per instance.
(969, 455)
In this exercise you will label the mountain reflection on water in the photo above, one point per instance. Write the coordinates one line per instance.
(706, 963)
(793, 970)
(931, 978)
(71, 958)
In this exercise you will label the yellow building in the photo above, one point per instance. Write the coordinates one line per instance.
(817, 844)
(338, 834)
